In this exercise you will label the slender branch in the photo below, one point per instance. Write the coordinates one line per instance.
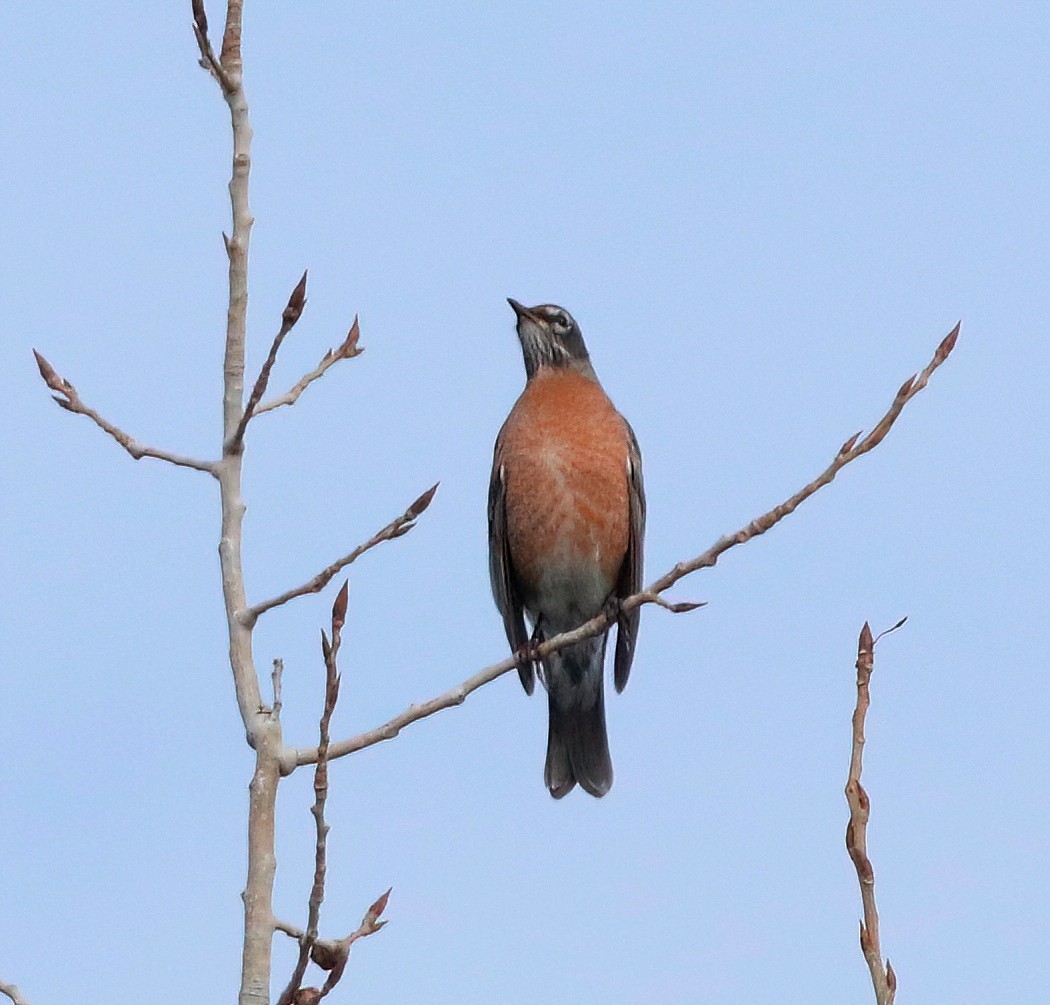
(853, 448)
(209, 61)
(263, 729)
(396, 528)
(12, 992)
(348, 350)
(292, 312)
(332, 954)
(66, 397)
(330, 650)
(883, 978)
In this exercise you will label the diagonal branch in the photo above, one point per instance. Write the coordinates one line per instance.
(853, 448)
(883, 978)
(292, 312)
(66, 397)
(396, 528)
(348, 350)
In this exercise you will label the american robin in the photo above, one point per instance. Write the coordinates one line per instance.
(566, 521)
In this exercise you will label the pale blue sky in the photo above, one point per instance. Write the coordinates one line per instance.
(764, 217)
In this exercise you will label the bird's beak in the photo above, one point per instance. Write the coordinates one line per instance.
(522, 312)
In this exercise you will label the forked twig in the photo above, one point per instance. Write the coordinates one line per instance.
(347, 350)
(883, 978)
(853, 448)
(209, 61)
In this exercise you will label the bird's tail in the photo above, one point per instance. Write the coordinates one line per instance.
(577, 743)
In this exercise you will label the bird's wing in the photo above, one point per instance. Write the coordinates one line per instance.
(631, 572)
(501, 571)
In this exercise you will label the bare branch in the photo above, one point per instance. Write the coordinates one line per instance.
(332, 954)
(396, 528)
(68, 398)
(348, 350)
(292, 312)
(209, 61)
(331, 653)
(883, 979)
(12, 992)
(850, 450)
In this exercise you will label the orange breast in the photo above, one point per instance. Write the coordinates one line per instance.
(565, 450)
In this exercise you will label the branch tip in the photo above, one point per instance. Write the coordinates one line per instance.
(349, 348)
(948, 343)
(296, 303)
(850, 443)
(339, 607)
(420, 505)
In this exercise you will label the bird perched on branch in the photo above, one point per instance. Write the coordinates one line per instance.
(566, 521)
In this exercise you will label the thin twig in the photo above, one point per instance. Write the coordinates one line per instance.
(853, 448)
(12, 992)
(332, 954)
(292, 312)
(883, 978)
(348, 350)
(66, 397)
(396, 528)
(209, 61)
(330, 650)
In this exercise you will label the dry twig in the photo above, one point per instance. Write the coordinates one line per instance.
(292, 312)
(853, 448)
(348, 350)
(66, 397)
(397, 527)
(330, 651)
(209, 61)
(883, 978)
(332, 954)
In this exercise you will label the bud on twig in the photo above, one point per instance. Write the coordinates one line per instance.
(296, 303)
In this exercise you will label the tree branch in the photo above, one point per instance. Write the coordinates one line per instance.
(396, 528)
(209, 61)
(348, 350)
(66, 397)
(332, 954)
(330, 650)
(883, 978)
(12, 992)
(292, 312)
(853, 448)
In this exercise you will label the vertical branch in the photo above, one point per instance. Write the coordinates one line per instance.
(262, 728)
(883, 978)
(308, 939)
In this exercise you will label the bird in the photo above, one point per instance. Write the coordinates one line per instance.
(566, 521)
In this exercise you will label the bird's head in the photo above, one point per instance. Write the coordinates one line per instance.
(550, 336)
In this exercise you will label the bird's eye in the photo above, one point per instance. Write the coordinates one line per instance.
(562, 322)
